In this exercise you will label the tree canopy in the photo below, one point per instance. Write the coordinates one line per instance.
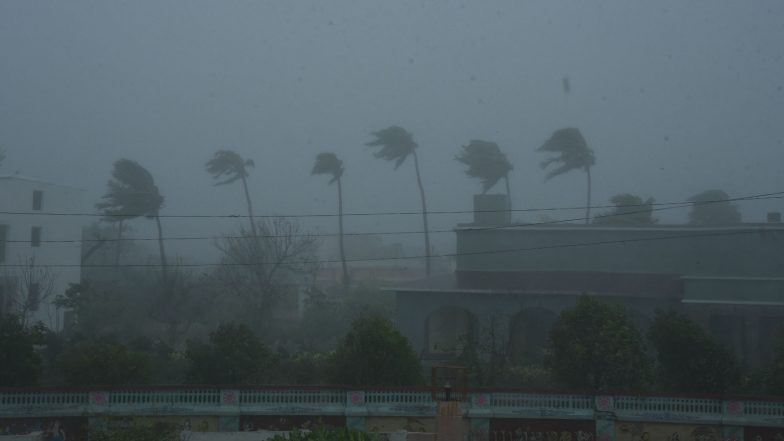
(233, 355)
(229, 166)
(688, 359)
(373, 353)
(571, 149)
(595, 347)
(132, 192)
(328, 164)
(91, 363)
(396, 144)
(712, 208)
(629, 210)
(20, 365)
(485, 162)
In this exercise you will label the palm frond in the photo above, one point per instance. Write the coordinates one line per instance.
(396, 144)
(131, 193)
(228, 164)
(328, 164)
(485, 162)
(573, 152)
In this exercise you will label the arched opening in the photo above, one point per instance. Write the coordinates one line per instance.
(448, 330)
(529, 334)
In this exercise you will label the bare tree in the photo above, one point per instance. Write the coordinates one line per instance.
(28, 287)
(260, 268)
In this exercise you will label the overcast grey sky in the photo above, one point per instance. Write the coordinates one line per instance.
(674, 96)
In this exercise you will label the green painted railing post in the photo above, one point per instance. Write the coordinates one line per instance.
(604, 416)
(356, 410)
(229, 418)
(480, 410)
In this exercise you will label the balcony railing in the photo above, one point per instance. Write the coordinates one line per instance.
(191, 400)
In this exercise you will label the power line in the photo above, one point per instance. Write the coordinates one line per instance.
(669, 206)
(376, 259)
(383, 213)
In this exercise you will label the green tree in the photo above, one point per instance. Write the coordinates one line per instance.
(396, 144)
(573, 153)
(132, 193)
(329, 164)
(688, 359)
(374, 353)
(20, 365)
(596, 348)
(774, 381)
(231, 167)
(629, 210)
(486, 162)
(233, 355)
(103, 363)
(712, 208)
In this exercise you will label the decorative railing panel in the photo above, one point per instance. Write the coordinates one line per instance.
(392, 402)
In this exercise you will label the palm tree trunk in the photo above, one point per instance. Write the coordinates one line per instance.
(424, 214)
(508, 197)
(588, 205)
(340, 232)
(250, 207)
(118, 247)
(164, 265)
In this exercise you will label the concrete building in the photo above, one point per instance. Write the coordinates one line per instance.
(518, 278)
(39, 246)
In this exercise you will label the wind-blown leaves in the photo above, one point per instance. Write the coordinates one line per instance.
(629, 210)
(328, 164)
(573, 152)
(396, 144)
(485, 162)
(132, 193)
(712, 208)
(228, 164)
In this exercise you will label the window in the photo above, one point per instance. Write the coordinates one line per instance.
(33, 296)
(38, 199)
(35, 237)
(3, 234)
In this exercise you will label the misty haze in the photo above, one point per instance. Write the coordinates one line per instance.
(506, 220)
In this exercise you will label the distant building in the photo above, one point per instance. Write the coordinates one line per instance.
(729, 279)
(39, 252)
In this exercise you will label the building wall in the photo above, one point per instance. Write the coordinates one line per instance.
(16, 195)
(744, 251)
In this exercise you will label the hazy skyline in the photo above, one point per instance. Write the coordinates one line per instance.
(674, 97)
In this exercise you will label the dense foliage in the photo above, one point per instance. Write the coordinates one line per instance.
(630, 210)
(91, 363)
(375, 353)
(595, 347)
(20, 365)
(327, 435)
(233, 355)
(689, 360)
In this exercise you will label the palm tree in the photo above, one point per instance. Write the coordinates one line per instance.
(231, 166)
(486, 163)
(132, 193)
(396, 144)
(573, 153)
(329, 164)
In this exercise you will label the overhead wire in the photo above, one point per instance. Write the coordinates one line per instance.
(662, 207)
(746, 231)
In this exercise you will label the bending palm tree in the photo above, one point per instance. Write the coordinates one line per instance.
(230, 164)
(486, 163)
(396, 144)
(329, 164)
(573, 153)
(132, 193)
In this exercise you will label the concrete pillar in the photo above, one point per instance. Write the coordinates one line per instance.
(229, 418)
(356, 410)
(449, 421)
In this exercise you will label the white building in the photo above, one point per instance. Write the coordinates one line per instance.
(40, 246)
